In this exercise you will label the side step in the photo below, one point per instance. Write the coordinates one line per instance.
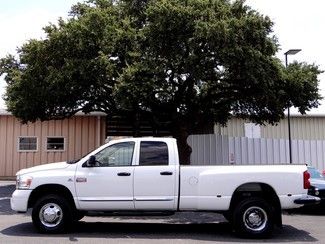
(129, 213)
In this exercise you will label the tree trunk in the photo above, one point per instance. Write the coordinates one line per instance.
(184, 150)
(136, 124)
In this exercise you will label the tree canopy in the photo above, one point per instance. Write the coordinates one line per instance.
(196, 62)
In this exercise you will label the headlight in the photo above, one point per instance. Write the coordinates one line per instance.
(23, 182)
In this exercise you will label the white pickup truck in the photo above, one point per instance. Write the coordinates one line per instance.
(144, 175)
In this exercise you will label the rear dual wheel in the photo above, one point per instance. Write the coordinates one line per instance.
(253, 218)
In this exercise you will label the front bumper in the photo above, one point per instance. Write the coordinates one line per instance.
(19, 200)
(307, 200)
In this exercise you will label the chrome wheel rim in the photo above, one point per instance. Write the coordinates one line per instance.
(255, 218)
(51, 215)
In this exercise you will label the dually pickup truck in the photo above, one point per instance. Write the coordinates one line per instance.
(143, 175)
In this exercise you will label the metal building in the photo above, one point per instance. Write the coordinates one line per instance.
(243, 142)
(303, 127)
(27, 145)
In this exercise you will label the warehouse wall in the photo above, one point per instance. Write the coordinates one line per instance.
(214, 149)
(81, 134)
(302, 128)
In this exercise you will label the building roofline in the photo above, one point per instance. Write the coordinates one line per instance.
(305, 115)
(97, 113)
(6, 112)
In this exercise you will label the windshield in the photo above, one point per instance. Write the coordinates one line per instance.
(315, 174)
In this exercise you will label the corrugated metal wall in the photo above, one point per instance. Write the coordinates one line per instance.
(80, 132)
(219, 150)
(209, 149)
(302, 127)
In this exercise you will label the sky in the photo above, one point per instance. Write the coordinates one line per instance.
(21, 20)
(297, 25)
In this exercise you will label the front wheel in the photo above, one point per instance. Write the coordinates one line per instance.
(52, 214)
(253, 218)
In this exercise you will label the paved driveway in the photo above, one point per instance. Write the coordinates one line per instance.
(180, 228)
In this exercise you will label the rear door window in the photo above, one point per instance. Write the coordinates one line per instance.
(153, 153)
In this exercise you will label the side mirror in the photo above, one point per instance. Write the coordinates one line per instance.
(91, 162)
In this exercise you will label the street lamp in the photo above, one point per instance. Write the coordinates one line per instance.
(290, 52)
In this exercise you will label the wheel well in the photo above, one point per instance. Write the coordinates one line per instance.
(260, 190)
(43, 190)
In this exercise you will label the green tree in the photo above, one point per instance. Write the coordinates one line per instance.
(194, 62)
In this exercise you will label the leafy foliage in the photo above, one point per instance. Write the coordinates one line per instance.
(195, 62)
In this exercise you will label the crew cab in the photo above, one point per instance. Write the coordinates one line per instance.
(144, 175)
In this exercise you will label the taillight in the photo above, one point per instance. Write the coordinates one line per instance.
(306, 180)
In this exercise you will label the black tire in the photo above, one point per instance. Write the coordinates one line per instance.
(78, 215)
(253, 218)
(52, 214)
(227, 216)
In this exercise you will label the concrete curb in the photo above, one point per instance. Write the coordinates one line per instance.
(7, 182)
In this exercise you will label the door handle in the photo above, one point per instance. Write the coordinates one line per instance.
(166, 173)
(123, 174)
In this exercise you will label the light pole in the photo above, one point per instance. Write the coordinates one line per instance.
(290, 52)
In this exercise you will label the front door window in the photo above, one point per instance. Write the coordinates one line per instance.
(119, 154)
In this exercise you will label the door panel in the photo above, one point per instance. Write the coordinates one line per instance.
(153, 190)
(102, 188)
(108, 184)
(154, 179)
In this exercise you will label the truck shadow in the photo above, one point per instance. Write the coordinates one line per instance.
(155, 231)
(317, 210)
(184, 226)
